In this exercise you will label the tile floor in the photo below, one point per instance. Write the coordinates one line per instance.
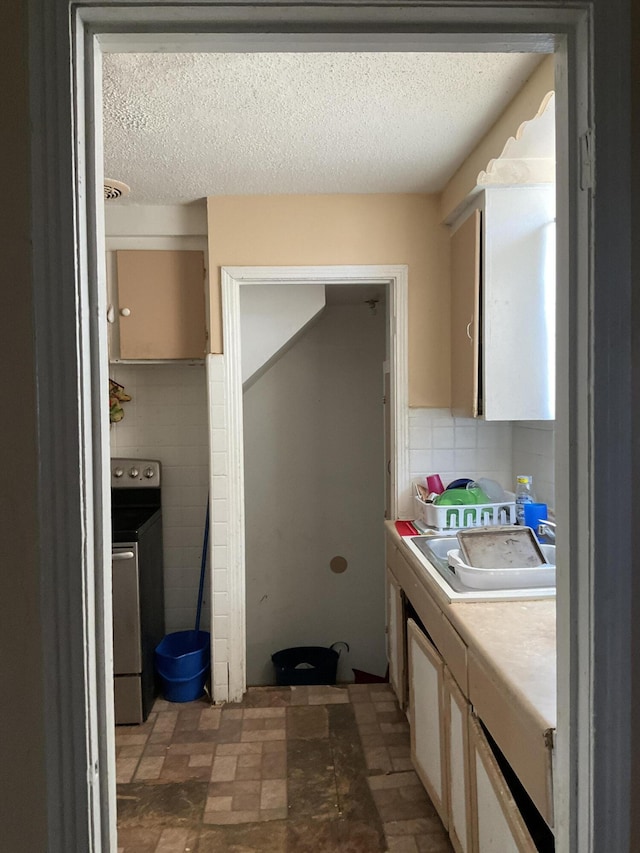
(287, 770)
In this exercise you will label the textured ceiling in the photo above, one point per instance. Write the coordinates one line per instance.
(178, 127)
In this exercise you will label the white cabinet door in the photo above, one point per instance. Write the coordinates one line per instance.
(458, 773)
(465, 317)
(428, 744)
(497, 822)
(503, 306)
(395, 639)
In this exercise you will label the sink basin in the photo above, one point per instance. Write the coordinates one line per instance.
(432, 552)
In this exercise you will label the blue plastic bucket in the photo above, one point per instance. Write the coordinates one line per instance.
(184, 654)
(184, 689)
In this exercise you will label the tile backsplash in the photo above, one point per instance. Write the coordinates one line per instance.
(167, 419)
(458, 447)
(534, 453)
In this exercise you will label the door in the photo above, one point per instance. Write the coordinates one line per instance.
(388, 485)
(396, 639)
(456, 713)
(428, 743)
(497, 824)
(127, 655)
(161, 304)
(465, 317)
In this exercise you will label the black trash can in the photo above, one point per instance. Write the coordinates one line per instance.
(306, 665)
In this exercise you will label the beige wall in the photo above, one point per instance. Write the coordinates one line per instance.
(348, 229)
(23, 705)
(522, 108)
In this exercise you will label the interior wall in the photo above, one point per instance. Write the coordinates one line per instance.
(167, 419)
(459, 447)
(23, 804)
(471, 447)
(314, 489)
(534, 453)
(523, 107)
(347, 229)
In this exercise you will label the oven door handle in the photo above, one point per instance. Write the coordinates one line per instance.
(123, 555)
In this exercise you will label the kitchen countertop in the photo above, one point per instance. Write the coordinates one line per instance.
(507, 670)
(514, 640)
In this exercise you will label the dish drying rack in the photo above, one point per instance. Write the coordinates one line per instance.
(460, 517)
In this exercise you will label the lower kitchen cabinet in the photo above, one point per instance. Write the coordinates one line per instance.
(455, 761)
(474, 752)
(456, 710)
(498, 826)
(427, 720)
(396, 639)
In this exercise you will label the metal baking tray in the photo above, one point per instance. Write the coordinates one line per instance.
(500, 548)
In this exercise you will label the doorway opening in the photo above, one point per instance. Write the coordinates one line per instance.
(392, 282)
(97, 712)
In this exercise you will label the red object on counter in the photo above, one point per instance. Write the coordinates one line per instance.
(406, 528)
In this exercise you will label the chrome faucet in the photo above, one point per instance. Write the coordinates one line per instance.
(547, 528)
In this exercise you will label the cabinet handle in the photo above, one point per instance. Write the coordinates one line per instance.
(469, 330)
(125, 312)
(123, 555)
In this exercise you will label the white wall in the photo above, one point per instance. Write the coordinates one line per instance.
(314, 489)
(167, 419)
(270, 317)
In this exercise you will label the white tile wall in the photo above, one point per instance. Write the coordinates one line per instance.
(534, 453)
(219, 528)
(458, 447)
(167, 419)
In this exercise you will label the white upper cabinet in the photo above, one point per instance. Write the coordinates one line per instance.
(503, 306)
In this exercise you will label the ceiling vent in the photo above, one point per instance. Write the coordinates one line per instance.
(114, 190)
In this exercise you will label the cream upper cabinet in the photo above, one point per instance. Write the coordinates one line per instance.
(159, 305)
(503, 306)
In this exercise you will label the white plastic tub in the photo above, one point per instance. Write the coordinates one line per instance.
(512, 578)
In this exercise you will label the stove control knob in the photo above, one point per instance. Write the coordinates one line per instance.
(149, 473)
(133, 473)
(118, 472)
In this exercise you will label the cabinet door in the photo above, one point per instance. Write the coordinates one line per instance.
(465, 317)
(497, 823)
(518, 295)
(161, 304)
(428, 744)
(458, 773)
(396, 639)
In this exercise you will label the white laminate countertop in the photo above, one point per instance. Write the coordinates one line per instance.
(514, 640)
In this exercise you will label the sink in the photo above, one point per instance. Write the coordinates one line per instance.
(432, 551)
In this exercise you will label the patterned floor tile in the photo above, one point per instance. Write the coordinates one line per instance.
(322, 769)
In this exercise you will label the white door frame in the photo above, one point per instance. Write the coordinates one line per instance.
(594, 437)
(232, 279)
